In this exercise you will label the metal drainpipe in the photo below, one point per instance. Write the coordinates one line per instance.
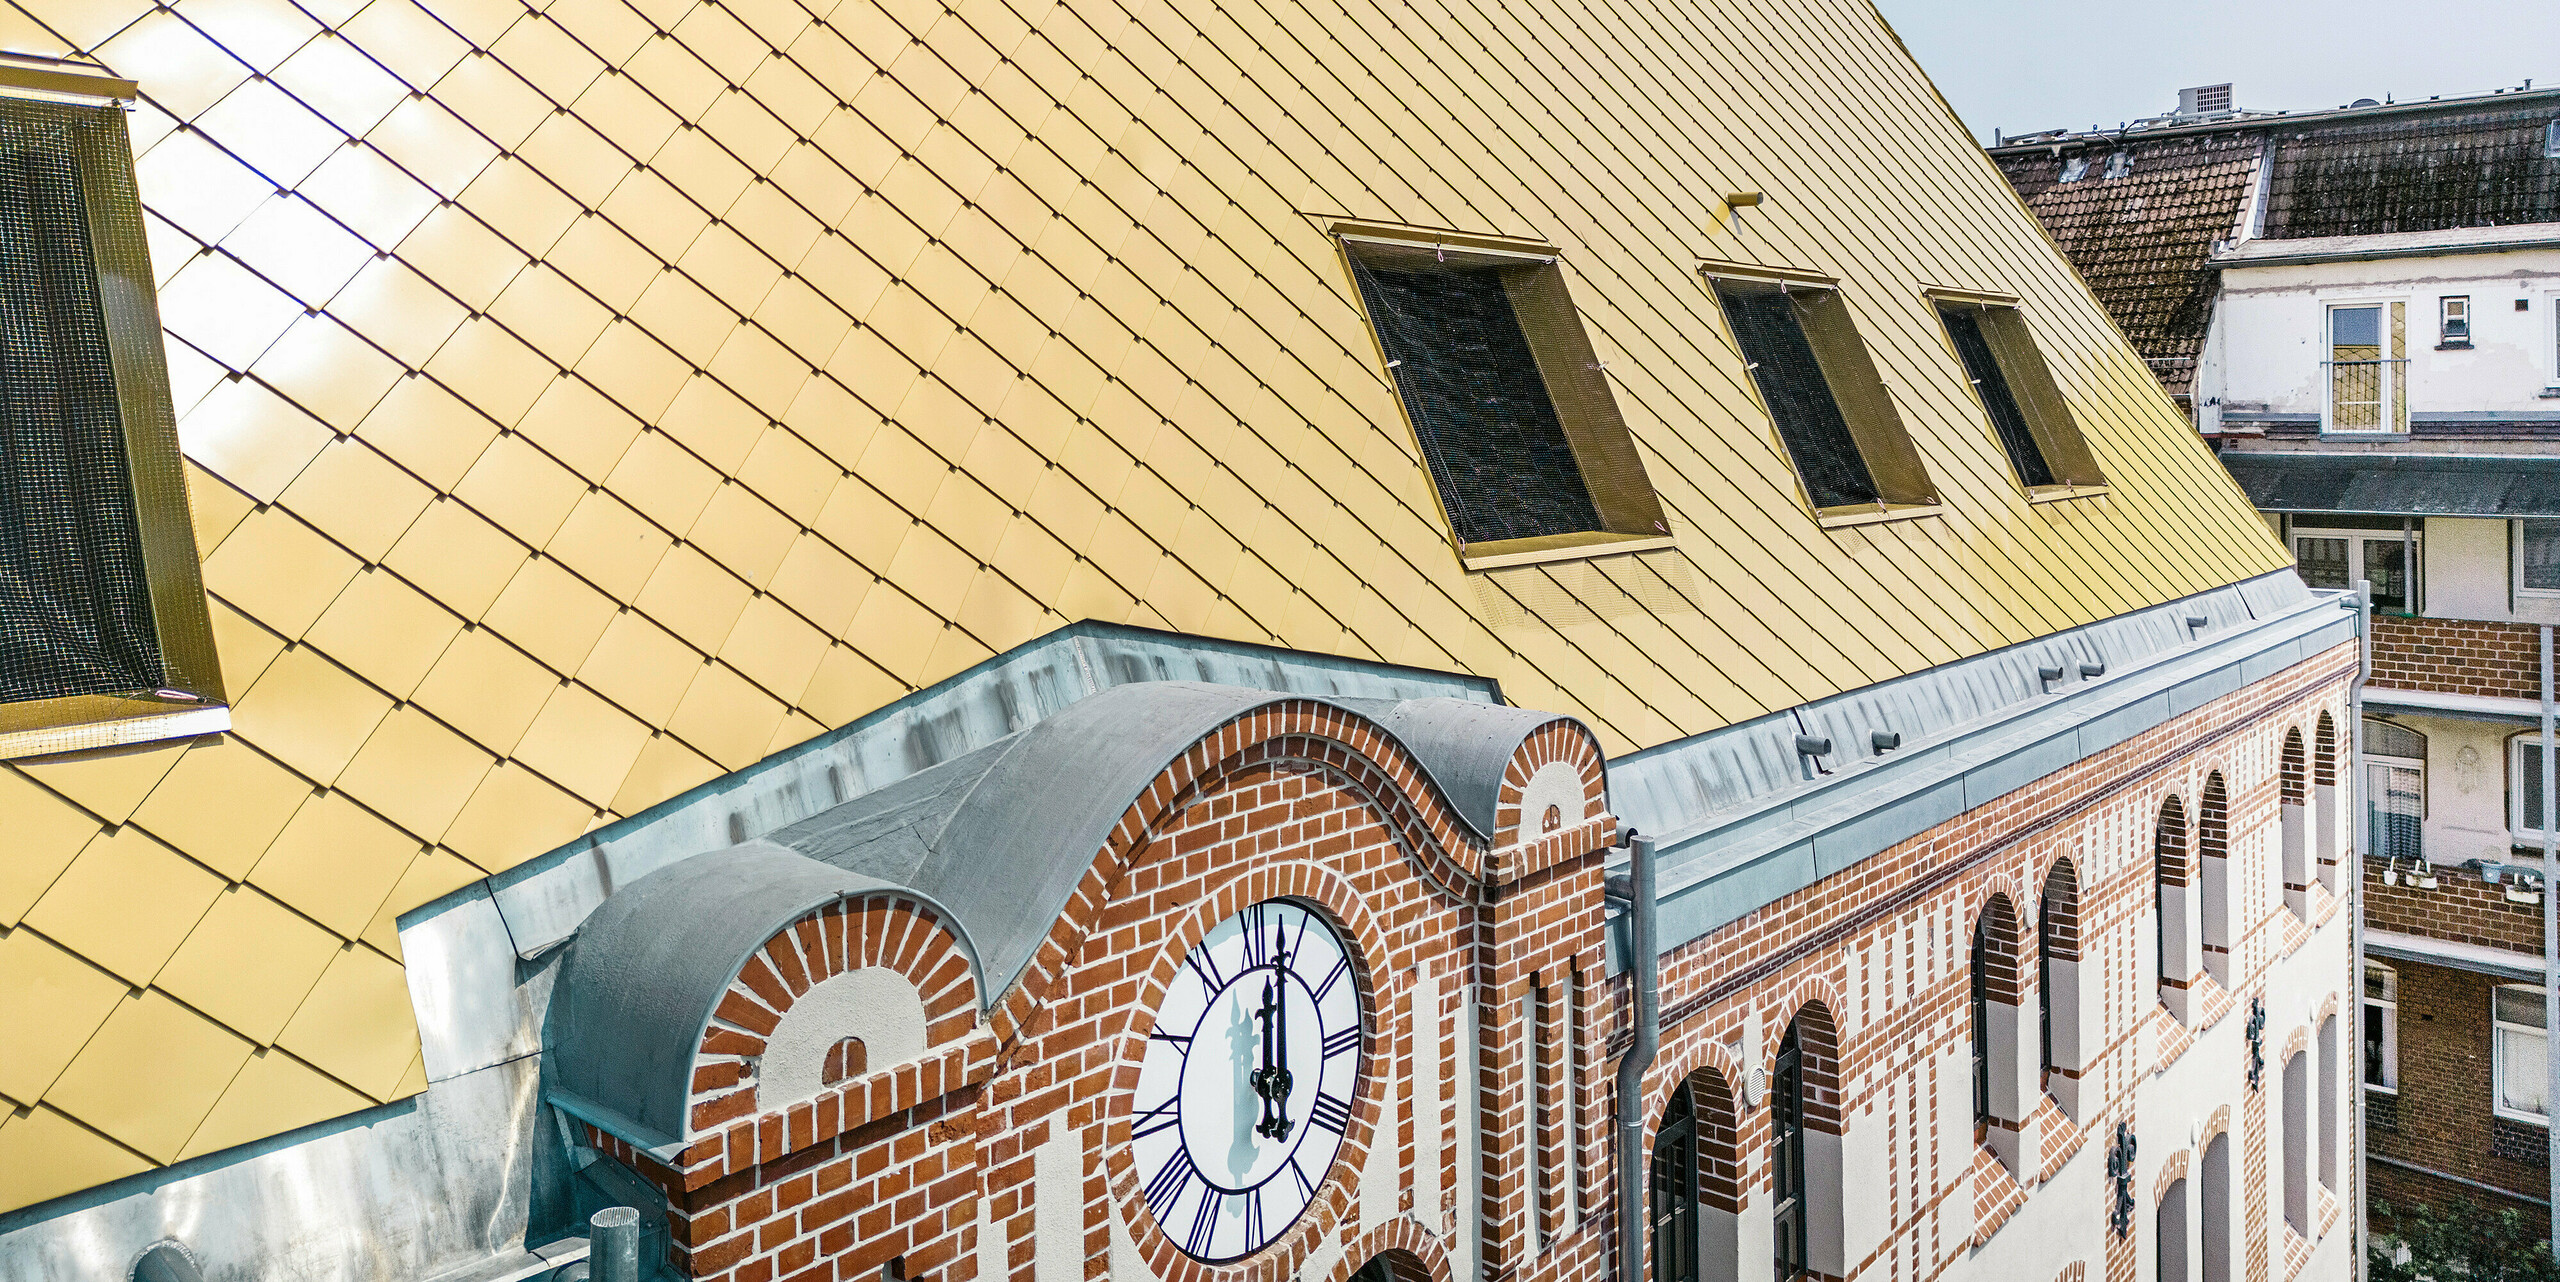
(1633, 890)
(2550, 931)
(2350, 788)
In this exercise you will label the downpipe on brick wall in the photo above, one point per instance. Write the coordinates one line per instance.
(2360, 1243)
(1632, 893)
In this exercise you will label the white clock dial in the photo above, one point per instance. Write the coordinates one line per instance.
(1245, 1092)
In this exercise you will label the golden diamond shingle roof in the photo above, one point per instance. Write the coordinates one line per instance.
(587, 399)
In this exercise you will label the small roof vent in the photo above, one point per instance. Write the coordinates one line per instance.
(2365, 102)
(2204, 100)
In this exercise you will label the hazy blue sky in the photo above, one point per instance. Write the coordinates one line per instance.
(2025, 65)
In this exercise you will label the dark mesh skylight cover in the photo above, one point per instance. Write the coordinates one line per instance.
(2006, 419)
(75, 607)
(1808, 417)
(1497, 451)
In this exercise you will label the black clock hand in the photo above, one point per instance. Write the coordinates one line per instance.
(1280, 1081)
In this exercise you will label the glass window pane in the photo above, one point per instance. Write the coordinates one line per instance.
(1771, 334)
(2540, 550)
(2007, 421)
(2528, 785)
(2384, 739)
(2519, 1005)
(2323, 562)
(2380, 984)
(2356, 327)
(2392, 810)
(2385, 562)
(2521, 1071)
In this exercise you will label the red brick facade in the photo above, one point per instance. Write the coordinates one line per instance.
(1494, 1160)
(2457, 656)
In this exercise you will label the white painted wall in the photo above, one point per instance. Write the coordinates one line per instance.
(2466, 788)
(2270, 330)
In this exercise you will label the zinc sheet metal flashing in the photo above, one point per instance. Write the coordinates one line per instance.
(1742, 820)
(545, 899)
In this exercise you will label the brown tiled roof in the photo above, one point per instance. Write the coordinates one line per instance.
(2142, 240)
(2399, 173)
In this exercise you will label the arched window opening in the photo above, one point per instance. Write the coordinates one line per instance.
(1787, 1213)
(2213, 863)
(2326, 795)
(2297, 1143)
(2213, 1205)
(1804, 1148)
(2172, 1235)
(2058, 985)
(2174, 910)
(1980, 966)
(2293, 821)
(1674, 1194)
(1393, 1266)
(2327, 1131)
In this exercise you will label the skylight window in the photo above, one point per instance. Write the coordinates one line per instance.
(1511, 407)
(2018, 394)
(1830, 409)
(2075, 169)
(2119, 164)
(104, 637)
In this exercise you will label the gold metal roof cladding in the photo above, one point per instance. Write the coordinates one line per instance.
(581, 404)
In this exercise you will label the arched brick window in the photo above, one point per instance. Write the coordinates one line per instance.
(2174, 914)
(2003, 1094)
(2330, 797)
(2213, 1212)
(2170, 1242)
(2058, 1007)
(1804, 1147)
(1672, 1195)
(2297, 1143)
(1696, 1195)
(2294, 820)
(2214, 886)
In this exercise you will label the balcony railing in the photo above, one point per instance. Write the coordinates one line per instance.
(2365, 396)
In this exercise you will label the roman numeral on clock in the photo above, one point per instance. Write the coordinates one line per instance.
(1256, 949)
(1204, 1223)
(1170, 1180)
(1340, 969)
(1332, 1114)
(1252, 1216)
(1162, 1116)
(1342, 1043)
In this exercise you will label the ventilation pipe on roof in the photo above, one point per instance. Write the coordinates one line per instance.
(167, 1260)
(1632, 893)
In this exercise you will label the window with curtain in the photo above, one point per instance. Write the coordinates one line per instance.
(2521, 1072)
(2381, 1028)
(2395, 790)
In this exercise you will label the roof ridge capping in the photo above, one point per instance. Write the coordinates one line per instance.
(1745, 816)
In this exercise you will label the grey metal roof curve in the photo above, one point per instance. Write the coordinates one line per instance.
(651, 963)
(995, 840)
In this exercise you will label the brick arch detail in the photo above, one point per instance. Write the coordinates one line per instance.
(1718, 1102)
(2076, 1271)
(1399, 1236)
(882, 929)
(2171, 1171)
(2328, 1009)
(2324, 760)
(2004, 955)
(1292, 734)
(2172, 854)
(1310, 883)
(2295, 1043)
(1562, 739)
(1810, 1007)
(2292, 770)
(2213, 818)
(2218, 1124)
(2061, 899)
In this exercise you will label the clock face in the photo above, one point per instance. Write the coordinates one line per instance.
(1245, 1093)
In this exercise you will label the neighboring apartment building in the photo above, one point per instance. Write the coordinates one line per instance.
(961, 642)
(2360, 307)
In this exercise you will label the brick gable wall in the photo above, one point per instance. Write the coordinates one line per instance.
(945, 1166)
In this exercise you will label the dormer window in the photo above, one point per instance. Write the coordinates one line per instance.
(2075, 169)
(104, 637)
(1833, 417)
(2027, 412)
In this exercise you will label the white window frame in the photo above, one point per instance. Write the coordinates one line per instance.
(2447, 307)
(2515, 561)
(2394, 362)
(2300, 528)
(2516, 831)
(2498, 1056)
(2389, 1004)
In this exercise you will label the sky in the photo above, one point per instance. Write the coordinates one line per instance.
(2025, 65)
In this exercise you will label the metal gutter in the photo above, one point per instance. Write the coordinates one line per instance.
(1731, 860)
(2470, 707)
(2453, 954)
(2376, 253)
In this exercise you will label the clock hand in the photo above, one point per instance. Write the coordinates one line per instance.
(1280, 1080)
